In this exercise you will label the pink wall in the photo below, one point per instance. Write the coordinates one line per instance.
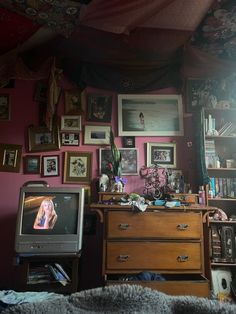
(24, 111)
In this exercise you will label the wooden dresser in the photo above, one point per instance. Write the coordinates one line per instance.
(161, 241)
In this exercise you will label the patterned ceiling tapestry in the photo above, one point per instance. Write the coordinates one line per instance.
(60, 15)
(217, 34)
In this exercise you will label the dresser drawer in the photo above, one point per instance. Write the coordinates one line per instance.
(172, 256)
(195, 285)
(128, 224)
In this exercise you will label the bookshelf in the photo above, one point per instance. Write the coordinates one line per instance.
(220, 157)
(52, 273)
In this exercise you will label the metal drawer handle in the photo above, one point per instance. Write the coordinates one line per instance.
(124, 226)
(182, 258)
(182, 226)
(123, 258)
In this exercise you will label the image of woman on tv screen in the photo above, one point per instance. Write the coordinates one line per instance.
(46, 216)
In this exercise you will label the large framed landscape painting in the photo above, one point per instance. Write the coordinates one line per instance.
(150, 115)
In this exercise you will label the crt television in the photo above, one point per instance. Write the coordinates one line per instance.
(49, 220)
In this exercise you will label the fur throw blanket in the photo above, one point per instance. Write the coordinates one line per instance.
(123, 299)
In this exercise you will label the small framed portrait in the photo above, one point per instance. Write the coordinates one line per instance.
(128, 141)
(77, 167)
(4, 107)
(161, 154)
(10, 157)
(70, 123)
(99, 108)
(97, 135)
(42, 139)
(70, 139)
(31, 164)
(50, 166)
(73, 102)
(173, 178)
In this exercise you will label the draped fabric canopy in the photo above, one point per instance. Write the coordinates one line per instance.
(136, 36)
(145, 44)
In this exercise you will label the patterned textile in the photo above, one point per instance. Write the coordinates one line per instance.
(60, 15)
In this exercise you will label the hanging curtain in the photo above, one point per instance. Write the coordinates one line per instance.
(198, 121)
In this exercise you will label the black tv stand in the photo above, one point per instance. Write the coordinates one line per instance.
(34, 272)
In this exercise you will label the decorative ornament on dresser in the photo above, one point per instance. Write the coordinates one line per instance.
(115, 181)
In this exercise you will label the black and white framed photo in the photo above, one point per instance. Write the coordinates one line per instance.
(70, 139)
(50, 166)
(97, 135)
(129, 160)
(70, 123)
(161, 154)
(99, 108)
(128, 141)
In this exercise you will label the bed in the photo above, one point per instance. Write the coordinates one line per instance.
(123, 298)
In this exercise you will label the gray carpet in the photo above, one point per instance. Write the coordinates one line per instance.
(123, 299)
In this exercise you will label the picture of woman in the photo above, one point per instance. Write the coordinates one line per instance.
(46, 216)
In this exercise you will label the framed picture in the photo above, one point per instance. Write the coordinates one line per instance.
(41, 90)
(4, 107)
(77, 167)
(174, 177)
(42, 139)
(210, 93)
(97, 135)
(99, 108)
(31, 164)
(161, 154)
(129, 160)
(73, 101)
(70, 139)
(150, 115)
(128, 141)
(50, 166)
(10, 157)
(71, 123)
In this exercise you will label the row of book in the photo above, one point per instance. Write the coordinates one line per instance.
(48, 273)
(223, 187)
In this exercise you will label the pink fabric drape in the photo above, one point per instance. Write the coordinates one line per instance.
(120, 16)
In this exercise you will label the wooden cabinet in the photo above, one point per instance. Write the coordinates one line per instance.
(161, 241)
(33, 273)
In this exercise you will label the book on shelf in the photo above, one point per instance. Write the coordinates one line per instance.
(58, 276)
(223, 187)
(62, 270)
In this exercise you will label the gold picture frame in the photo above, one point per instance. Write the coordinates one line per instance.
(41, 139)
(73, 101)
(10, 157)
(77, 167)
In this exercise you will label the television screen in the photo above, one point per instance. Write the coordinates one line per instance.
(50, 219)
